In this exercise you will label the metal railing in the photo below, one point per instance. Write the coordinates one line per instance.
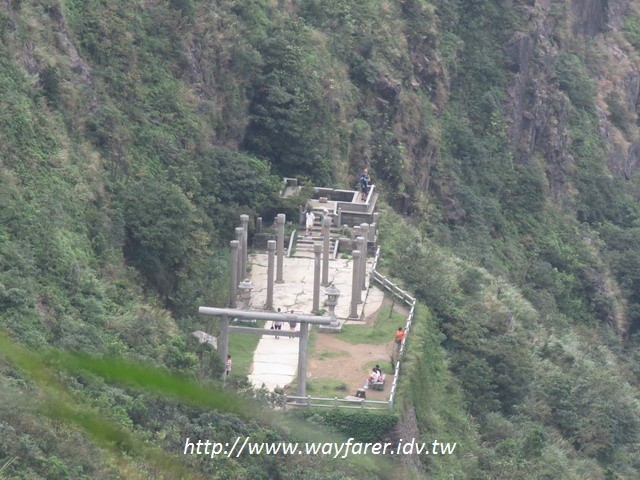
(335, 402)
(290, 401)
(406, 298)
(393, 288)
(292, 240)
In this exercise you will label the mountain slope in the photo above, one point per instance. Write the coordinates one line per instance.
(504, 134)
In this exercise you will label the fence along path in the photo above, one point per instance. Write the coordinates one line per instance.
(365, 404)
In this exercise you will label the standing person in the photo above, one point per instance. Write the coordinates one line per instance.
(292, 324)
(277, 324)
(310, 218)
(364, 183)
(400, 334)
(227, 367)
(323, 215)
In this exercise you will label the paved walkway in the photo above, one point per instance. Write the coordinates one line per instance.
(275, 361)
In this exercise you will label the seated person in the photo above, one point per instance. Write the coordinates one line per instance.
(380, 377)
(373, 378)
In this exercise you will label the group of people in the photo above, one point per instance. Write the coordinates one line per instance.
(277, 324)
(310, 220)
(376, 374)
(363, 186)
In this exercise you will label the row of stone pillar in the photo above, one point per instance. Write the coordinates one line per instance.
(275, 254)
(359, 277)
(240, 257)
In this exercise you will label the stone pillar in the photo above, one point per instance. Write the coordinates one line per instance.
(280, 220)
(240, 240)
(301, 215)
(364, 231)
(376, 218)
(244, 220)
(259, 225)
(372, 232)
(223, 338)
(355, 285)
(339, 219)
(233, 288)
(361, 245)
(326, 245)
(301, 390)
(364, 228)
(271, 251)
(317, 251)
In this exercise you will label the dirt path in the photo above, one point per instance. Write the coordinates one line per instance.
(350, 363)
(347, 363)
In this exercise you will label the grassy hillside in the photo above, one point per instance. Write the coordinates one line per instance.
(503, 136)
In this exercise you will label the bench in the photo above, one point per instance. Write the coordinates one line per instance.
(379, 385)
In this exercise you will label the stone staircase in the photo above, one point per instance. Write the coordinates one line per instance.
(304, 243)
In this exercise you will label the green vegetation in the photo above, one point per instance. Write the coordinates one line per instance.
(325, 388)
(382, 331)
(242, 347)
(333, 354)
(362, 426)
(503, 136)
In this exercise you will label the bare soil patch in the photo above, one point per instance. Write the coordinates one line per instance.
(349, 364)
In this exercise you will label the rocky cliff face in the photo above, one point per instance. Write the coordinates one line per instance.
(534, 109)
(537, 105)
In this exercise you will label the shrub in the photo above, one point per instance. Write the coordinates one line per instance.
(362, 426)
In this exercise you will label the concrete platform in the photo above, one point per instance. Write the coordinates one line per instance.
(275, 361)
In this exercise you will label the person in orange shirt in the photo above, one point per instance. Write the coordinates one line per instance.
(400, 334)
